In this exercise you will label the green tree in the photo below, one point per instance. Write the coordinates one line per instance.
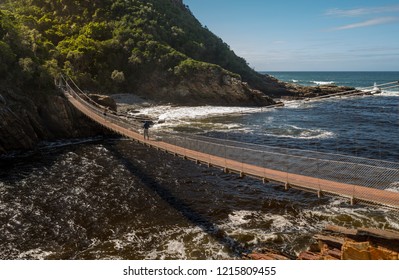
(118, 76)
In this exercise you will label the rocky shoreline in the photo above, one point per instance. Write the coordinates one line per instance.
(340, 243)
(26, 119)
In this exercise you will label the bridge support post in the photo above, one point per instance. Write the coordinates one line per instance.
(226, 170)
(319, 194)
(242, 174)
(352, 201)
(286, 186)
(265, 181)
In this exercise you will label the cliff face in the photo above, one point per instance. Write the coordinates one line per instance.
(24, 122)
(209, 87)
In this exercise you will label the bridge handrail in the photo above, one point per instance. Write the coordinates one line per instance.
(370, 88)
(100, 111)
(355, 171)
(298, 156)
(288, 150)
(326, 169)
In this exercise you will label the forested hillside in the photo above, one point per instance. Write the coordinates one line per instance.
(19, 66)
(152, 48)
(114, 45)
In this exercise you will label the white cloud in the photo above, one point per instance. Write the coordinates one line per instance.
(362, 11)
(366, 23)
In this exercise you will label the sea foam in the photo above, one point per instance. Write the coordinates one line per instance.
(322, 83)
(170, 113)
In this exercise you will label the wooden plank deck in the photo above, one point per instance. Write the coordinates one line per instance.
(320, 186)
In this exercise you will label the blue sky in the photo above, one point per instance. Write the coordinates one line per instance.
(306, 35)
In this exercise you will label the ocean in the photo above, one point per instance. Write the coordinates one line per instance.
(350, 79)
(110, 198)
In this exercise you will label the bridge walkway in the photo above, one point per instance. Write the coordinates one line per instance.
(193, 149)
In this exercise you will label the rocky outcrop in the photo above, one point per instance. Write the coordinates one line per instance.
(338, 243)
(26, 120)
(265, 254)
(288, 91)
(215, 87)
(299, 92)
(104, 101)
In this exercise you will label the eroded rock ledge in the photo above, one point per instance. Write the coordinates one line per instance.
(339, 243)
(26, 119)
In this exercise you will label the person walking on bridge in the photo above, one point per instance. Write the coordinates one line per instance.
(146, 127)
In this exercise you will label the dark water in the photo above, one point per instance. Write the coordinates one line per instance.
(110, 198)
(114, 199)
(365, 126)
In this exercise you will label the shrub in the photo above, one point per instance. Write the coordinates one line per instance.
(118, 76)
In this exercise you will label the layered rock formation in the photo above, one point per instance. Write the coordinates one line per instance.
(215, 87)
(26, 120)
(339, 243)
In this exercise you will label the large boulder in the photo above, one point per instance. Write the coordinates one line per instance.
(104, 101)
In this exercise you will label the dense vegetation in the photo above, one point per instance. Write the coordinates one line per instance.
(108, 45)
(20, 67)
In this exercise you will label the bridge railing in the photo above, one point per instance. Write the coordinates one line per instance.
(315, 167)
(335, 167)
(109, 115)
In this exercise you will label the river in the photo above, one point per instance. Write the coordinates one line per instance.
(111, 198)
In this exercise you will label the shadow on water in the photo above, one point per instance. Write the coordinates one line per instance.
(236, 249)
(42, 157)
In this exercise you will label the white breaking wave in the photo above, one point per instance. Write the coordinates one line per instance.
(321, 83)
(177, 247)
(294, 104)
(179, 243)
(196, 118)
(389, 93)
(243, 223)
(238, 218)
(295, 132)
(170, 113)
(37, 254)
(192, 117)
(306, 135)
(320, 134)
(394, 187)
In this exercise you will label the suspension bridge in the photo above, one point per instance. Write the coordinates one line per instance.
(357, 179)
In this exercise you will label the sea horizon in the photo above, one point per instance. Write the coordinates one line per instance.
(340, 78)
